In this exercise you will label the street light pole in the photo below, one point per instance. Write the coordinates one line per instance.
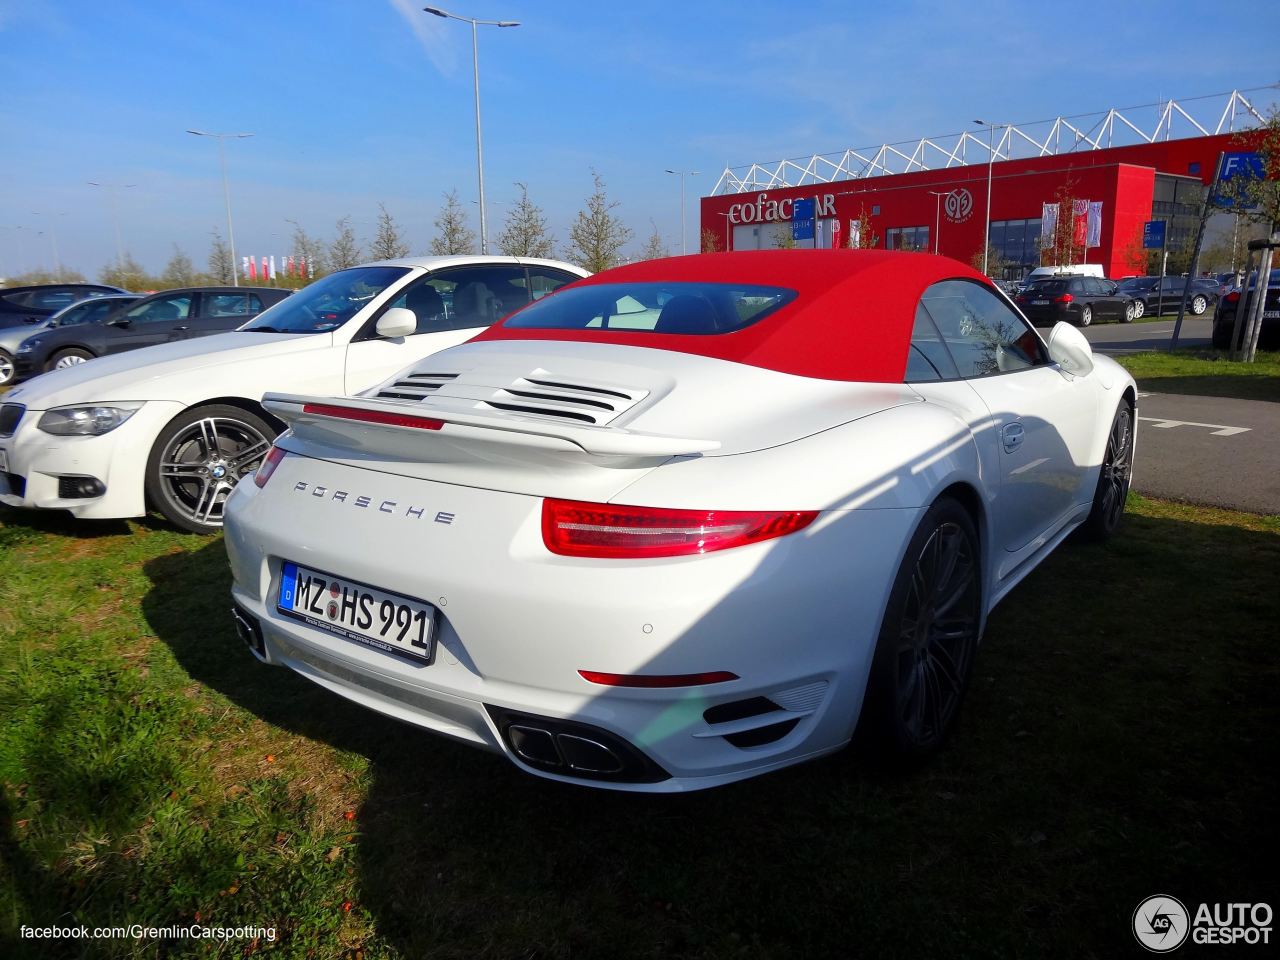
(475, 70)
(937, 216)
(226, 191)
(684, 246)
(112, 189)
(991, 158)
(53, 237)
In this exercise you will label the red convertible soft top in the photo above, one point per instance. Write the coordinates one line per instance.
(851, 320)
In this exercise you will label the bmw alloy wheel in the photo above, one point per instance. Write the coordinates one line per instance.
(1130, 312)
(200, 464)
(1199, 305)
(1139, 308)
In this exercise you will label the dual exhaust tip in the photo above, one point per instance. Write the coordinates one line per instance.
(573, 749)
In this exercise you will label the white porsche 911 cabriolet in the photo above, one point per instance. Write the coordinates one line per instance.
(685, 521)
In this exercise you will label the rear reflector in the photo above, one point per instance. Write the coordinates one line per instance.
(372, 416)
(268, 465)
(574, 529)
(653, 680)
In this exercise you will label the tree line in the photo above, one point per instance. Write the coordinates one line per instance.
(596, 240)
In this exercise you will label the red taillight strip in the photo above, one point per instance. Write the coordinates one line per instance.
(268, 465)
(656, 680)
(372, 416)
(572, 528)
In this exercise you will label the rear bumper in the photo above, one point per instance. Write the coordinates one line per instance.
(795, 619)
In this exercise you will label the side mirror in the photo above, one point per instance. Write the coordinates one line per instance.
(120, 322)
(1070, 350)
(396, 323)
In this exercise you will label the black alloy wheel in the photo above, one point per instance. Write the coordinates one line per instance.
(928, 639)
(198, 459)
(1114, 478)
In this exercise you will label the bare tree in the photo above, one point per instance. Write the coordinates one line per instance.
(388, 244)
(455, 237)
(861, 234)
(597, 236)
(309, 252)
(525, 233)
(711, 242)
(219, 259)
(179, 271)
(656, 247)
(128, 273)
(344, 251)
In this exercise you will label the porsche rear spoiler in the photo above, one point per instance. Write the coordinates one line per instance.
(299, 411)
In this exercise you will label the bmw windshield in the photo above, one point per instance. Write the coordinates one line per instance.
(327, 304)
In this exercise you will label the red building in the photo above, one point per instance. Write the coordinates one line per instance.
(944, 210)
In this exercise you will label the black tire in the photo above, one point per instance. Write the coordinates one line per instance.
(7, 370)
(69, 357)
(921, 669)
(197, 460)
(1132, 311)
(1114, 478)
(1086, 316)
(1199, 304)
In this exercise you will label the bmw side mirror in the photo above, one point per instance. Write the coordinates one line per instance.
(119, 322)
(396, 323)
(1069, 349)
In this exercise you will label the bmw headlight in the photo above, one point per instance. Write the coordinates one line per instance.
(26, 346)
(87, 421)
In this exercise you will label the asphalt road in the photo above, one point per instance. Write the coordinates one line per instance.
(1209, 450)
(1153, 335)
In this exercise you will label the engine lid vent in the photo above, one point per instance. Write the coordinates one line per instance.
(561, 398)
(415, 386)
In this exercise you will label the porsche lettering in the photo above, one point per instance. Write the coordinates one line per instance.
(412, 511)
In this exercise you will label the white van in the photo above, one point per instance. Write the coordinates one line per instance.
(1070, 270)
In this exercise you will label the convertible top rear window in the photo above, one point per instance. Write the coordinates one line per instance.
(700, 309)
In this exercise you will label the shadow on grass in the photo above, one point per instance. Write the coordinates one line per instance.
(1236, 387)
(21, 526)
(1118, 741)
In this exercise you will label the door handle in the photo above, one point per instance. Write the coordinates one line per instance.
(1011, 436)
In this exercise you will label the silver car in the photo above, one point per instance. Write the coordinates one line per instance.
(82, 311)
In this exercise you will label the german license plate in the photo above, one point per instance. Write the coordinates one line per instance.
(1039, 303)
(1271, 314)
(355, 611)
(4, 460)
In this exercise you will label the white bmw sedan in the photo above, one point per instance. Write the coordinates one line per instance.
(176, 426)
(685, 521)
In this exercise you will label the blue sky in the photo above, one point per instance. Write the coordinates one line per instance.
(364, 101)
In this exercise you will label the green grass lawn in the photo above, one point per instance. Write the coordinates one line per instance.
(1119, 741)
(1205, 373)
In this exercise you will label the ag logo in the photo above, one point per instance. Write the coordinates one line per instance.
(1161, 923)
(958, 205)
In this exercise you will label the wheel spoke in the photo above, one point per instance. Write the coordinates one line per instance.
(190, 471)
(209, 437)
(944, 666)
(249, 455)
(932, 700)
(962, 584)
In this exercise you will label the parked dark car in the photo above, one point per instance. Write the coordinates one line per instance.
(1078, 300)
(1224, 317)
(82, 311)
(31, 304)
(1159, 295)
(178, 314)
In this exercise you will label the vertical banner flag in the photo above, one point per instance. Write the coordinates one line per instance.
(244, 266)
(855, 233)
(253, 268)
(835, 234)
(1048, 224)
(273, 266)
(1095, 224)
(290, 270)
(1079, 217)
(311, 268)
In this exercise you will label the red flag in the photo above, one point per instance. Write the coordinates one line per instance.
(1079, 223)
(835, 234)
(253, 268)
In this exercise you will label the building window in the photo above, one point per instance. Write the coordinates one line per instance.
(1018, 242)
(875, 209)
(907, 238)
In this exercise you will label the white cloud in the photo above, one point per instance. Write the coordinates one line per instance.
(430, 33)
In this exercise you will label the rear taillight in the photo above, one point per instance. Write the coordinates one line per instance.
(1063, 298)
(1232, 297)
(574, 529)
(268, 466)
